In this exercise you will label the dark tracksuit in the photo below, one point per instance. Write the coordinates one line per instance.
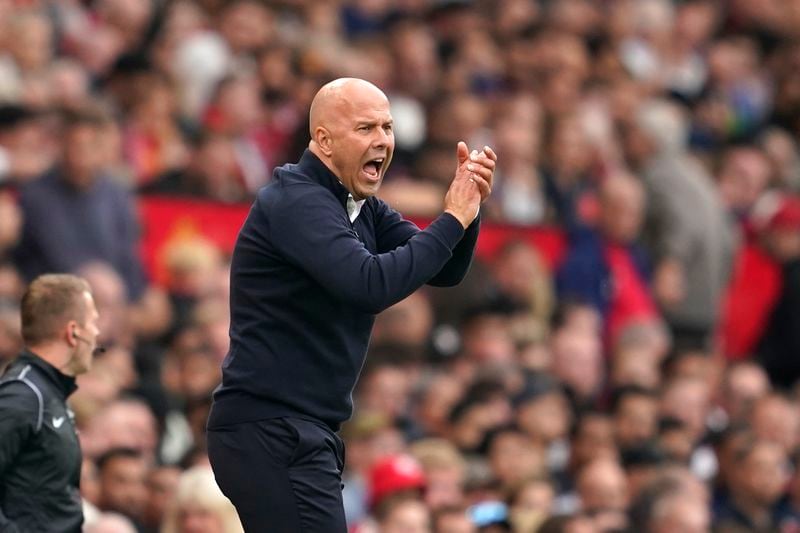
(40, 457)
(306, 285)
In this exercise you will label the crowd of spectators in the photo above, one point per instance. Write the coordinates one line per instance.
(616, 388)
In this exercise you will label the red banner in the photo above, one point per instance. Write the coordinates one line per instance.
(168, 220)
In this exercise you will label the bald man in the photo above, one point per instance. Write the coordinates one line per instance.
(317, 258)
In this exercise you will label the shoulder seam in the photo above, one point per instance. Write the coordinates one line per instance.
(23, 378)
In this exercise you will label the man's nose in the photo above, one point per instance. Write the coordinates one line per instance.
(382, 139)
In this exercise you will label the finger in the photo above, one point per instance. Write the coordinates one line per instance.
(484, 172)
(462, 152)
(483, 186)
(484, 160)
(490, 153)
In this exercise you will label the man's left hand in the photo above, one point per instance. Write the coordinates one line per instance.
(483, 164)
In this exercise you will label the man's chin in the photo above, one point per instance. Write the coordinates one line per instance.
(367, 190)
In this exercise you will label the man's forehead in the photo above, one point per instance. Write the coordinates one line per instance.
(348, 96)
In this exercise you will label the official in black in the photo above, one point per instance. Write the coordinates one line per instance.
(40, 457)
(317, 258)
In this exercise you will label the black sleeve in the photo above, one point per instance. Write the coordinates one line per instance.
(393, 230)
(312, 234)
(19, 409)
(458, 265)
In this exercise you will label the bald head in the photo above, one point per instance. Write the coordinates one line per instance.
(352, 133)
(336, 98)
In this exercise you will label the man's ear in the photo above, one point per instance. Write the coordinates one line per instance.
(70, 331)
(323, 139)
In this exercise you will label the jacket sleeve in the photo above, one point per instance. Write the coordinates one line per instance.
(392, 230)
(19, 409)
(310, 230)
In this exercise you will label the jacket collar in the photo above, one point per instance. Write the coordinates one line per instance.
(65, 384)
(314, 168)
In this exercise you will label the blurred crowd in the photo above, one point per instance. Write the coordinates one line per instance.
(643, 381)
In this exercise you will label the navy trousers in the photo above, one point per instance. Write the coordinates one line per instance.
(282, 474)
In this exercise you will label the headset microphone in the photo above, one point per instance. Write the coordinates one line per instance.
(97, 350)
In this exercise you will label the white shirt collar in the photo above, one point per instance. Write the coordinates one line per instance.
(354, 207)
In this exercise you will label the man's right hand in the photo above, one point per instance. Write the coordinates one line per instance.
(470, 185)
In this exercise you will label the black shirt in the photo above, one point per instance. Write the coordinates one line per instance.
(40, 457)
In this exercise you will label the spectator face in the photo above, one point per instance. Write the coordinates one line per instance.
(408, 322)
(444, 487)
(594, 439)
(677, 443)
(30, 40)
(602, 486)
(417, 69)
(128, 17)
(200, 374)
(775, 419)
(514, 457)
(688, 401)
(569, 149)
(410, 516)
(122, 486)
(695, 22)
(81, 157)
(487, 340)
(532, 504)
(124, 424)
(385, 391)
(161, 484)
(577, 362)
(545, 418)
(214, 163)
(580, 525)
(195, 519)
(240, 105)
(516, 272)
(247, 26)
(471, 426)
(680, 513)
(744, 175)
(454, 522)
(744, 384)
(635, 419)
(438, 400)
(761, 476)
(622, 208)
(635, 366)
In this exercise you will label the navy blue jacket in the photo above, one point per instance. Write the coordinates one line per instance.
(306, 285)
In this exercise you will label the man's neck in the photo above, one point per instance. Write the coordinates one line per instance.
(53, 354)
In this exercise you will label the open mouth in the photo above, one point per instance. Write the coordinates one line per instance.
(372, 167)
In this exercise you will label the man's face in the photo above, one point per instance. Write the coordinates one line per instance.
(123, 486)
(81, 157)
(761, 477)
(87, 337)
(362, 141)
(636, 419)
